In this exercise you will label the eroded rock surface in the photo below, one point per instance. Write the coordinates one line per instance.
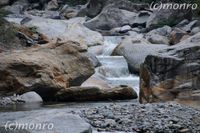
(172, 74)
(44, 69)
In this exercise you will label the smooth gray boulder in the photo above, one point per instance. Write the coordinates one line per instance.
(95, 7)
(169, 17)
(56, 121)
(163, 31)
(110, 18)
(135, 51)
(65, 30)
(157, 39)
(72, 29)
(31, 97)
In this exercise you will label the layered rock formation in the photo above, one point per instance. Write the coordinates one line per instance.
(96, 94)
(44, 69)
(172, 74)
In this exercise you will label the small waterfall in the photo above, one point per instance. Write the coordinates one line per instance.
(114, 69)
(110, 43)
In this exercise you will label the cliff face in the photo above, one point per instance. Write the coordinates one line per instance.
(172, 74)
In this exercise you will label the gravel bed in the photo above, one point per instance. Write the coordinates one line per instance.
(149, 118)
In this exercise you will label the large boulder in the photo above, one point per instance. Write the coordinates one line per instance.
(141, 19)
(172, 74)
(111, 17)
(96, 94)
(17, 6)
(69, 12)
(43, 121)
(167, 17)
(65, 30)
(157, 39)
(159, 35)
(4, 2)
(52, 5)
(135, 51)
(163, 31)
(108, 14)
(31, 97)
(94, 7)
(45, 69)
(176, 36)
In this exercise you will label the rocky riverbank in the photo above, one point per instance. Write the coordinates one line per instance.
(105, 50)
(119, 117)
(149, 118)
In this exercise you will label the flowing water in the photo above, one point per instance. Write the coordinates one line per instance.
(113, 69)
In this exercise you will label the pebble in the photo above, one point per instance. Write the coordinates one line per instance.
(150, 118)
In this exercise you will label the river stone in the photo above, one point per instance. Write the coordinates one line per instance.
(167, 17)
(122, 92)
(110, 18)
(195, 30)
(17, 7)
(95, 7)
(141, 19)
(135, 51)
(31, 97)
(183, 23)
(191, 25)
(44, 69)
(177, 35)
(52, 5)
(125, 29)
(4, 2)
(96, 81)
(96, 50)
(157, 39)
(163, 31)
(65, 30)
(62, 121)
(172, 74)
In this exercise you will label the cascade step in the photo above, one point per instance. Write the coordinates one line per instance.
(113, 66)
(110, 43)
(131, 80)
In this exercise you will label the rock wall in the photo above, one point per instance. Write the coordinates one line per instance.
(172, 74)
